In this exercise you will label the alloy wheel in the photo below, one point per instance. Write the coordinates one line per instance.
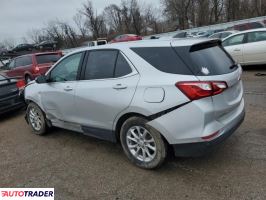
(35, 119)
(141, 144)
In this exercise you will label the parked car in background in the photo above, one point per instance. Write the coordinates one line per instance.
(182, 34)
(22, 48)
(28, 67)
(186, 94)
(222, 35)
(247, 47)
(203, 34)
(247, 26)
(126, 38)
(3, 51)
(46, 45)
(95, 43)
(208, 33)
(11, 94)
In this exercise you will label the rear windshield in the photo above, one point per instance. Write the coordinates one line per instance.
(207, 61)
(47, 58)
(164, 59)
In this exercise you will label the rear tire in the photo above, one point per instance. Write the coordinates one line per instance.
(142, 144)
(36, 119)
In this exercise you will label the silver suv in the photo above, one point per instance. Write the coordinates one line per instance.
(149, 96)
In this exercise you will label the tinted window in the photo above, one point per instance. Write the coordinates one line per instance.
(67, 69)
(47, 58)
(100, 64)
(23, 61)
(257, 36)
(122, 66)
(255, 25)
(207, 61)
(164, 59)
(101, 42)
(234, 40)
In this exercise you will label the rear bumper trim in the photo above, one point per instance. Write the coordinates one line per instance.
(201, 148)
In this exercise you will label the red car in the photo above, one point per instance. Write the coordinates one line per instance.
(30, 66)
(247, 26)
(126, 38)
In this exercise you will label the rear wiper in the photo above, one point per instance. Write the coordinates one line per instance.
(233, 66)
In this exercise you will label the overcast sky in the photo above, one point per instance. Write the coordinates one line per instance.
(17, 17)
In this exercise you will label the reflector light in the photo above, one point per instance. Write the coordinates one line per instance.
(20, 84)
(211, 136)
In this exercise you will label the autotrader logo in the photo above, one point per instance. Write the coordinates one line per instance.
(26, 193)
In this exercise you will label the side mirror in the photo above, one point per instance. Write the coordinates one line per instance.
(41, 79)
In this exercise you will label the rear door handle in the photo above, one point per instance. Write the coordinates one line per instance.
(68, 88)
(120, 86)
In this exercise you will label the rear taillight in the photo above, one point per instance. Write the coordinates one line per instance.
(36, 69)
(20, 84)
(199, 89)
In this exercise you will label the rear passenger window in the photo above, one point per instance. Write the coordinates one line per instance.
(164, 59)
(23, 61)
(47, 58)
(101, 64)
(122, 66)
(257, 36)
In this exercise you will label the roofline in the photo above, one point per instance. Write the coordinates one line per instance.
(246, 31)
(39, 53)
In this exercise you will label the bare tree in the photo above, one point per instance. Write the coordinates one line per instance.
(81, 24)
(96, 22)
(114, 18)
(217, 7)
(178, 11)
(9, 43)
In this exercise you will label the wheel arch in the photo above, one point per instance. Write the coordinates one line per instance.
(125, 117)
(27, 74)
(121, 121)
(48, 122)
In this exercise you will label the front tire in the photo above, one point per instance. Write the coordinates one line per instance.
(36, 119)
(142, 144)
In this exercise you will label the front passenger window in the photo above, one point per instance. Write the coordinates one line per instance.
(67, 69)
(234, 40)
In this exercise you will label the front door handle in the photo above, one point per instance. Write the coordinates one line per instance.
(236, 49)
(68, 88)
(120, 86)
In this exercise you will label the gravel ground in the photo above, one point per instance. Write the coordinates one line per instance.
(80, 167)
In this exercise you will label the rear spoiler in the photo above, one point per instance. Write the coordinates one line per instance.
(206, 44)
